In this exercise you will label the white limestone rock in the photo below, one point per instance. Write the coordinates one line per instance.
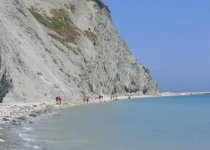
(36, 66)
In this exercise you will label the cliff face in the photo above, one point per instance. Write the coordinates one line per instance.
(64, 48)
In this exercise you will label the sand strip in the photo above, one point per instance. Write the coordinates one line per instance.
(15, 113)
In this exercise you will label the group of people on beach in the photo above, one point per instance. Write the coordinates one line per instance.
(99, 97)
(114, 97)
(86, 99)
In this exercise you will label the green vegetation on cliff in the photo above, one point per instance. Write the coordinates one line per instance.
(60, 23)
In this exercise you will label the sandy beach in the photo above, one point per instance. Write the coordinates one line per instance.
(15, 114)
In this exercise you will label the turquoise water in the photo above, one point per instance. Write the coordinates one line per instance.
(166, 123)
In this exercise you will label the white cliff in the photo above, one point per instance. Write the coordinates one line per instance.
(65, 48)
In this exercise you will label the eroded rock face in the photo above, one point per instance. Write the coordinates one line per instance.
(5, 86)
(66, 48)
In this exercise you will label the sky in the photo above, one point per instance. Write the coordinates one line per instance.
(170, 37)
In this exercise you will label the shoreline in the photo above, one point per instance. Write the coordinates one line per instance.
(15, 115)
(20, 112)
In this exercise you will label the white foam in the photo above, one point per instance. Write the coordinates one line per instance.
(20, 135)
(2, 140)
(28, 140)
(36, 147)
(25, 139)
(27, 128)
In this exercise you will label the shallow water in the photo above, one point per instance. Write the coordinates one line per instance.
(165, 123)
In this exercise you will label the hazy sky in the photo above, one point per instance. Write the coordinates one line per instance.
(170, 37)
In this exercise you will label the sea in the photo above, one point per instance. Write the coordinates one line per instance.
(163, 123)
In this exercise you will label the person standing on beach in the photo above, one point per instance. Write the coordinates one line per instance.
(58, 100)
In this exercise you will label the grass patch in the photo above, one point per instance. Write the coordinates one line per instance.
(61, 40)
(61, 23)
(58, 38)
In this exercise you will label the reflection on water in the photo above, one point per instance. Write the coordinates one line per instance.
(167, 123)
